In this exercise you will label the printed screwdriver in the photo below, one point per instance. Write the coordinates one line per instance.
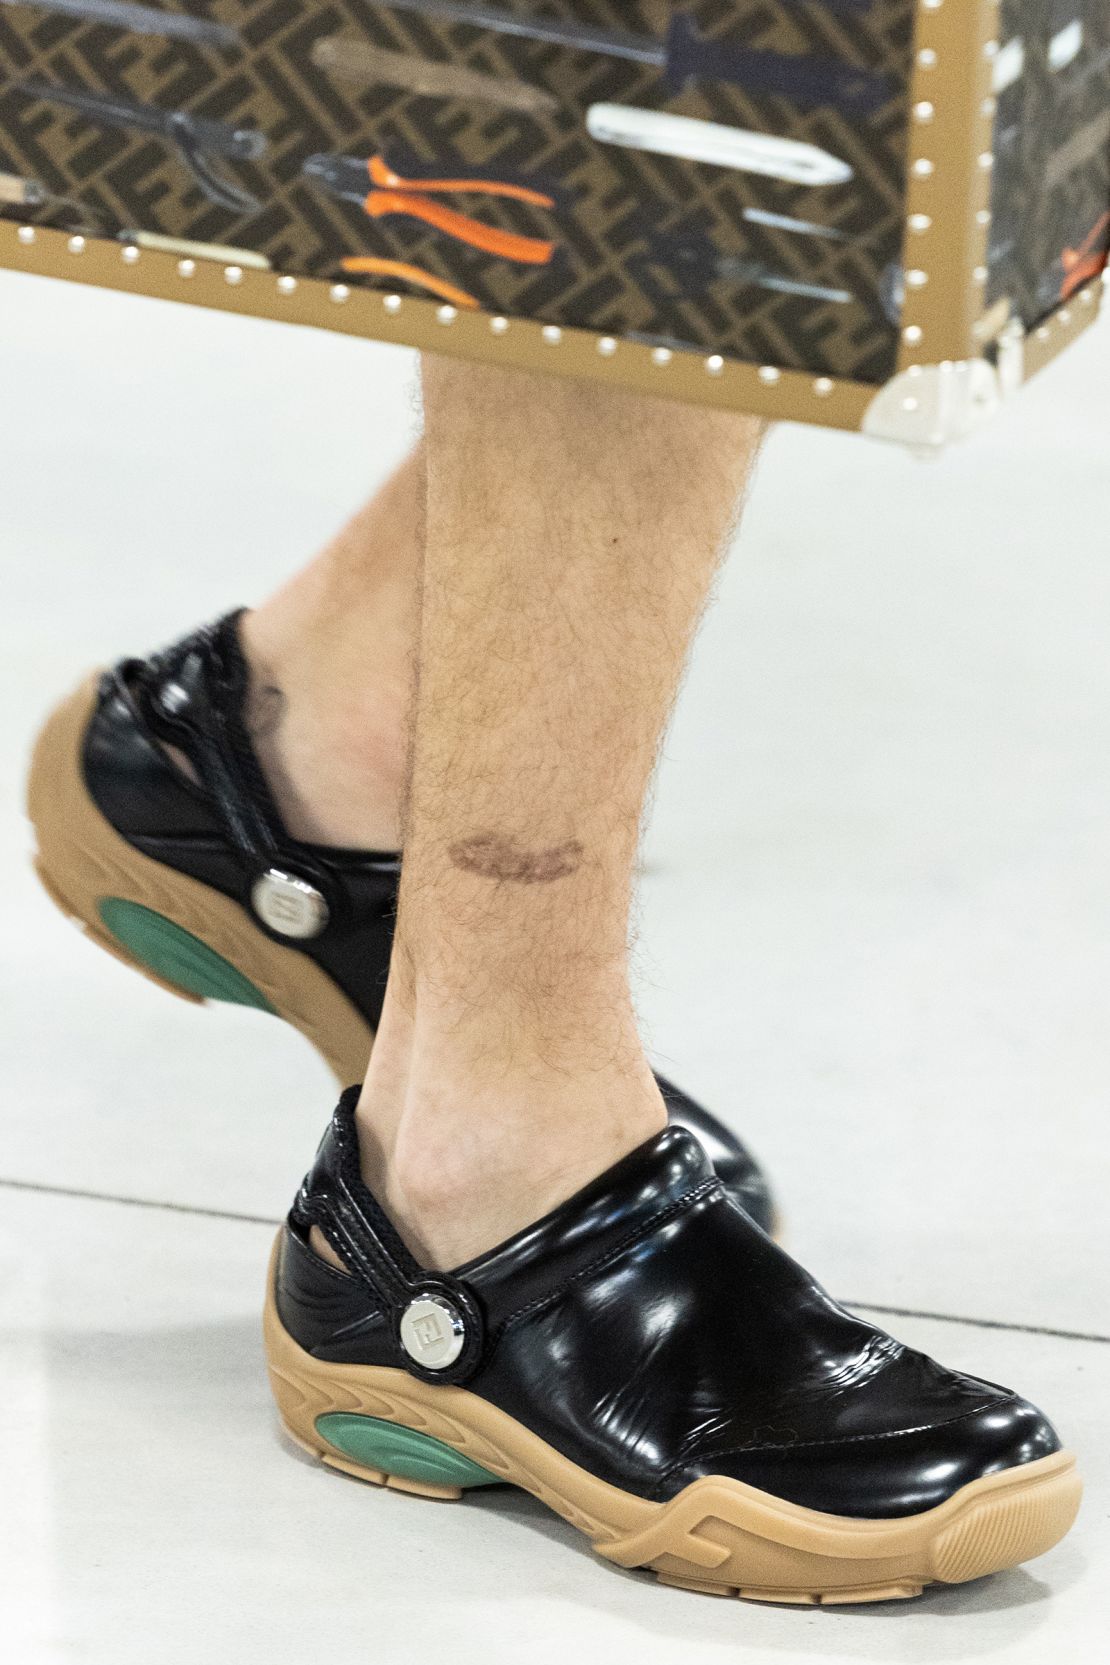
(683, 56)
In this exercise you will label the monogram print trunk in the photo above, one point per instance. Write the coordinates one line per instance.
(725, 175)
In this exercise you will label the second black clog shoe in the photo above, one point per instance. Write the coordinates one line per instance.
(196, 883)
(660, 1373)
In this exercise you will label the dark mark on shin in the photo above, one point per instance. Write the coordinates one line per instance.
(494, 857)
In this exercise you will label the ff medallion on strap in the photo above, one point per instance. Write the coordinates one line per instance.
(435, 1318)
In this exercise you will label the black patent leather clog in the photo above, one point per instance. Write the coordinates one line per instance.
(198, 885)
(657, 1370)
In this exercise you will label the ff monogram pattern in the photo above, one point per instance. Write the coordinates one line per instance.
(721, 175)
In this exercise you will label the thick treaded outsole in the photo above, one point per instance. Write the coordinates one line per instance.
(717, 1536)
(82, 860)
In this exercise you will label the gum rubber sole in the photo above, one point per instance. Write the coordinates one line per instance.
(718, 1536)
(167, 922)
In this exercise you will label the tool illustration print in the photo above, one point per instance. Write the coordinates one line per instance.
(713, 143)
(138, 20)
(225, 254)
(684, 56)
(686, 264)
(24, 193)
(403, 271)
(1052, 78)
(692, 263)
(453, 81)
(382, 192)
(196, 139)
(353, 59)
(1085, 261)
(20, 192)
(788, 222)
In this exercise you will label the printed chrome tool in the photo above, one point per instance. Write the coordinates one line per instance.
(787, 222)
(714, 143)
(382, 192)
(694, 262)
(138, 20)
(1092, 139)
(353, 58)
(684, 55)
(195, 138)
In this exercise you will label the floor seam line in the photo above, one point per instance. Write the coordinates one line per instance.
(83, 1195)
(980, 1323)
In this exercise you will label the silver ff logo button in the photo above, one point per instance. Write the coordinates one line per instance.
(288, 905)
(432, 1332)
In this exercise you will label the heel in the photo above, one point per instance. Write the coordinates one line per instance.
(334, 1420)
(174, 957)
(182, 934)
(94, 929)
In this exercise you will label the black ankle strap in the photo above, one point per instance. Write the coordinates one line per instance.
(194, 695)
(436, 1320)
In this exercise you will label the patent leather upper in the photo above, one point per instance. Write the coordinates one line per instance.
(225, 830)
(650, 1332)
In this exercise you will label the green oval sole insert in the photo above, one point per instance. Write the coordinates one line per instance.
(402, 1451)
(176, 954)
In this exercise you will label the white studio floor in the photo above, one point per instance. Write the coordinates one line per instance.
(875, 936)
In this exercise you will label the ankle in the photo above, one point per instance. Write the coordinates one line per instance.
(333, 750)
(471, 1156)
(337, 771)
(335, 644)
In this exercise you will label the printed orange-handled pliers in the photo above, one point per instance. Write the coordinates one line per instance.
(390, 193)
(1085, 262)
